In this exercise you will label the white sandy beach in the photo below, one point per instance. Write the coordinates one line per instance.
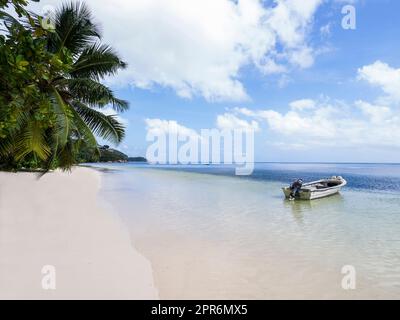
(56, 221)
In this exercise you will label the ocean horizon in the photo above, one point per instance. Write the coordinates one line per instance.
(368, 176)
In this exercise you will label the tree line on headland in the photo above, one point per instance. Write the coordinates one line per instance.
(51, 90)
(107, 154)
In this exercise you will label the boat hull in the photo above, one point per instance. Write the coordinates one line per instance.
(310, 192)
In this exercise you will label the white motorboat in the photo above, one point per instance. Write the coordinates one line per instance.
(316, 189)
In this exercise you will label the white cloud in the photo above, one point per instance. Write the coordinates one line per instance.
(382, 75)
(290, 19)
(377, 114)
(198, 48)
(245, 112)
(158, 127)
(333, 124)
(270, 66)
(292, 123)
(346, 1)
(284, 81)
(289, 146)
(325, 30)
(303, 57)
(229, 121)
(226, 121)
(302, 104)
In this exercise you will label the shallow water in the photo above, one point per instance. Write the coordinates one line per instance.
(209, 234)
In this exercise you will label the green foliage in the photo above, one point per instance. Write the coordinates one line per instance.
(50, 91)
(137, 159)
(19, 6)
(88, 154)
(109, 154)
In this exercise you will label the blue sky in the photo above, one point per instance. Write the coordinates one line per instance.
(317, 92)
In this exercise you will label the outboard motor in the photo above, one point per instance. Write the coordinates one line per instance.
(295, 187)
(296, 184)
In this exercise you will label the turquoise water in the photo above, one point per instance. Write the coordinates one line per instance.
(210, 234)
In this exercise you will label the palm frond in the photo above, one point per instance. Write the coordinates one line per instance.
(94, 93)
(54, 145)
(106, 127)
(84, 131)
(66, 156)
(9, 20)
(6, 145)
(31, 140)
(61, 110)
(74, 28)
(96, 62)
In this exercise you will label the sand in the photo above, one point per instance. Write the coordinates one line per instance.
(55, 232)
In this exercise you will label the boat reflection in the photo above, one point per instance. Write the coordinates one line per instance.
(300, 208)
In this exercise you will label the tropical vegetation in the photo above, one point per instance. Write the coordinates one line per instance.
(51, 90)
(107, 154)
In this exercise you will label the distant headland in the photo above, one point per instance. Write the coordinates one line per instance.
(108, 154)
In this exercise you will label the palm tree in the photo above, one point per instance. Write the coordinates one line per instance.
(75, 92)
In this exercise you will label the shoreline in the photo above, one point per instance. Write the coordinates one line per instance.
(217, 237)
(57, 221)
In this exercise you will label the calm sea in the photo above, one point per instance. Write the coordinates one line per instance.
(211, 234)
